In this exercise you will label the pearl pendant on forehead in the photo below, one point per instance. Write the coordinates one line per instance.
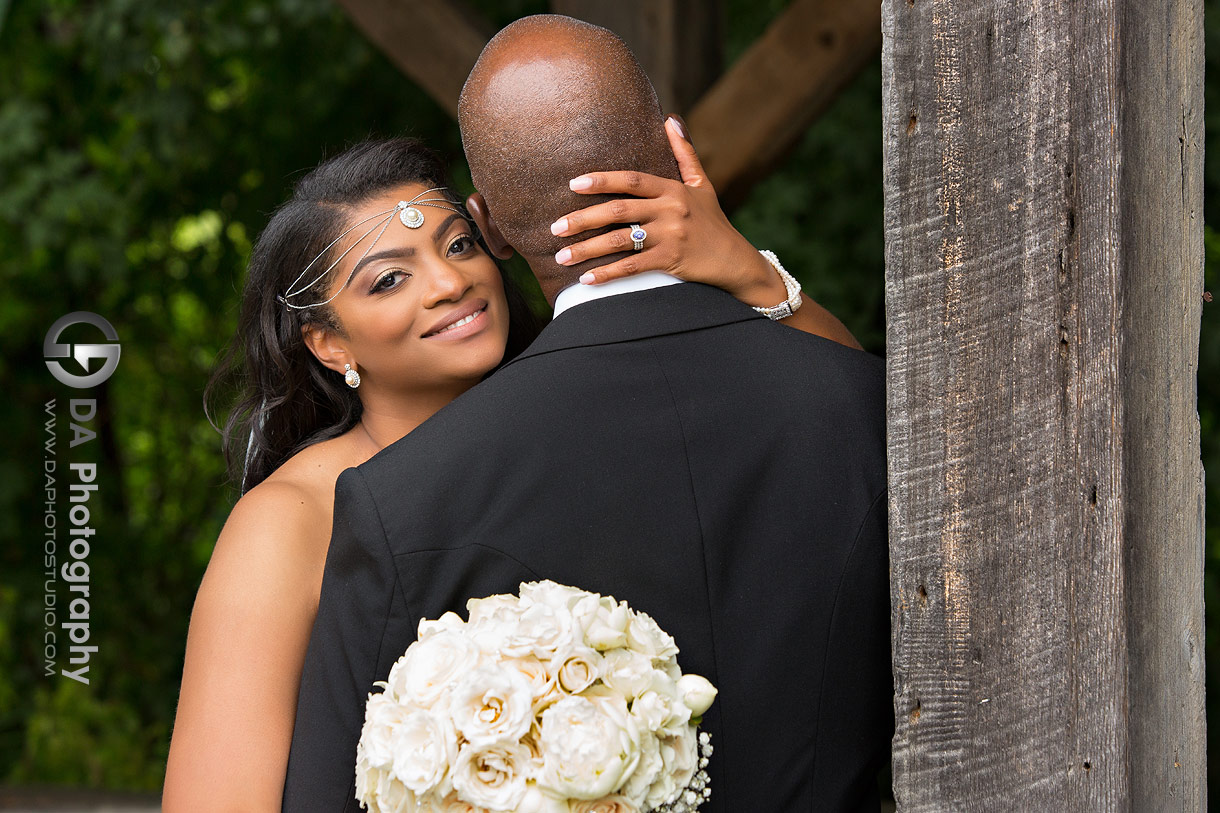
(411, 217)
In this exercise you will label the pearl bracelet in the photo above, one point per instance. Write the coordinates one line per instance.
(789, 306)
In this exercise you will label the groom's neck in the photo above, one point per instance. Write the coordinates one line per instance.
(553, 277)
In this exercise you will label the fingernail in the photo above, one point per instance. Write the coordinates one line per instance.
(583, 182)
(679, 125)
(563, 256)
(559, 226)
(587, 278)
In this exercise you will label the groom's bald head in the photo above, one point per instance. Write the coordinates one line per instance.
(549, 99)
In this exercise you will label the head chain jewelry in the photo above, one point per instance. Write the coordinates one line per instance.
(410, 216)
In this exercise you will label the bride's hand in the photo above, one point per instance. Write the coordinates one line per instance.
(689, 236)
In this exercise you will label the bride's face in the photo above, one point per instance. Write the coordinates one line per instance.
(406, 310)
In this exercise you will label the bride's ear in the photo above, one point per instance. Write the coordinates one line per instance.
(326, 346)
(476, 204)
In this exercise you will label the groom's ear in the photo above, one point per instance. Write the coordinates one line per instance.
(476, 204)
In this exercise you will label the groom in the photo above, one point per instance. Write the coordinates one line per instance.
(670, 447)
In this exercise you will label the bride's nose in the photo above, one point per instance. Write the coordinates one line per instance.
(446, 283)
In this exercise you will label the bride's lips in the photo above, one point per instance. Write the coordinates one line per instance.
(445, 328)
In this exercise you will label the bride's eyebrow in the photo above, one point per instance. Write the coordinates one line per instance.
(444, 226)
(387, 254)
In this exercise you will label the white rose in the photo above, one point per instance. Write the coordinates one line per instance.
(631, 673)
(589, 746)
(424, 745)
(663, 790)
(551, 594)
(368, 777)
(680, 755)
(430, 803)
(535, 801)
(627, 672)
(636, 788)
(533, 743)
(491, 776)
(697, 693)
(452, 804)
(496, 627)
(607, 627)
(659, 708)
(645, 635)
(547, 629)
(584, 611)
(542, 683)
(492, 704)
(391, 796)
(382, 714)
(479, 610)
(609, 804)
(576, 668)
(450, 621)
(431, 665)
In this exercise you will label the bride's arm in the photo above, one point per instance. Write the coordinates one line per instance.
(248, 634)
(688, 237)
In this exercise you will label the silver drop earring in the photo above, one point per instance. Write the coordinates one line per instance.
(351, 376)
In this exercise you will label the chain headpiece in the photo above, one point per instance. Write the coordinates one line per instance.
(406, 212)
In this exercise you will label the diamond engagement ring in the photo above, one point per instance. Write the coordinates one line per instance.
(637, 236)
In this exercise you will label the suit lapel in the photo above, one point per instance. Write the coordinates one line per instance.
(642, 314)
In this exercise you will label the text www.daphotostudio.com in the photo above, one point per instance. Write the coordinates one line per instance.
(82, 485)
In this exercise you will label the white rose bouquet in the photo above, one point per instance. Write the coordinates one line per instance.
(554, 701)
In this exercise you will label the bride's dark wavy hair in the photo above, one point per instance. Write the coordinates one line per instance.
(283, 398)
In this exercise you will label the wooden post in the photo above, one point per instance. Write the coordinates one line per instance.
(1043, 172)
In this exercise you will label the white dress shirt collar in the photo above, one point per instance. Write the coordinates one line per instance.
(576, 294)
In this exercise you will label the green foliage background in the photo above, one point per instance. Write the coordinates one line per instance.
(142, 147)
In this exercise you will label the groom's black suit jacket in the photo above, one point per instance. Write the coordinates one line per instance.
(673, 449)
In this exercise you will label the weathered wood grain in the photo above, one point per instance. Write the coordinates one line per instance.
(1034, 613)
(1162, 179)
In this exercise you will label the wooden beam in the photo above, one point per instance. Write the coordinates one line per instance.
(434, 42)
(678, 42)
(1043, 199)
(755, 114)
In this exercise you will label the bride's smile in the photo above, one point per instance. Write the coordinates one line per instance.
(465, 321)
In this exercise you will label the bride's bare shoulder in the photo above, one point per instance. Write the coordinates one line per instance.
(303, 486)
(288, 514)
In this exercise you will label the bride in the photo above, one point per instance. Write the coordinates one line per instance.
(360, 319)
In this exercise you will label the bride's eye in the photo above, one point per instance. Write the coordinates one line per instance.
(385, 281)
(461, 244)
